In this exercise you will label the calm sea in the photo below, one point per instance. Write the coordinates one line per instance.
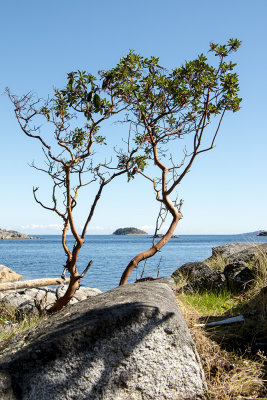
(110, 254)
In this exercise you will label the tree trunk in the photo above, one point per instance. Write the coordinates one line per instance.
(64, 300)
(33, 283)
(74, 282)
(150, 252)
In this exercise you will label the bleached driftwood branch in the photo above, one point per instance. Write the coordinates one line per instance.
(32, 283)
(238, 318)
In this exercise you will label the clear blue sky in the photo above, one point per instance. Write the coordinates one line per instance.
(226, 190)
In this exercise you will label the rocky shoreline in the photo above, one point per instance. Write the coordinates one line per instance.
(4, 234)
(236, 275)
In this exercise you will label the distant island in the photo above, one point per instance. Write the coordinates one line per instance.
(262, 233)
(4, 234)
(129, 231)
(160, 235)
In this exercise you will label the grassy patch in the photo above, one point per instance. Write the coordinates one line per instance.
(230, 374)
(210, 303)
(235, 366)
(11, 325)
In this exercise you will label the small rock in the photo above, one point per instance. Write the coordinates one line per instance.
(14, 300)
(40, 295)
(26, 308)
(51, 298)
(74, 301)
(85, 292)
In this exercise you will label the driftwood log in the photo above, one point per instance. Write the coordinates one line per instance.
(32, 283)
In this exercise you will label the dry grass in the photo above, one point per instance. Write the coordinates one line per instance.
(229, 376)
(259, 267)
(217, 262)
(11, 325)
(233, 367)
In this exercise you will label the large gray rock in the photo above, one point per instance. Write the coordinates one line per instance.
(192, 270)
(239, 251)
(131, 343)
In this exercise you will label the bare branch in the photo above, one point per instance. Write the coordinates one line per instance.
(86, 269)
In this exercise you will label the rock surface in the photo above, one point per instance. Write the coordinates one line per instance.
(262, 233)
(193, 270)
(239, 251)
(129, 231)
(7, 275)
(239, 277)
(4, 234)
(200, 277)
(130, 343)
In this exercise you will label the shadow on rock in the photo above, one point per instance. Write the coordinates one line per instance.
(129, 343)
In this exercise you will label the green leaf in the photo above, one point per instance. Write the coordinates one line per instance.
(97, 101)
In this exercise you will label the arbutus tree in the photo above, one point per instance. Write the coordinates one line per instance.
(71, 144)
(164, 107)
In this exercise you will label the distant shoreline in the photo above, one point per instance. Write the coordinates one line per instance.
(39, 235)
(12, 235)
(255, 234)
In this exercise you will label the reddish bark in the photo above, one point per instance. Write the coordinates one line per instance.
(153, 250)
(73, 286)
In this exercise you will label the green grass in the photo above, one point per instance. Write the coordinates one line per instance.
(210, 303)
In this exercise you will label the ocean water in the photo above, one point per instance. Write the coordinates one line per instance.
(45, 257)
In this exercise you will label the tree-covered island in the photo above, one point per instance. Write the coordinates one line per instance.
(129, 231)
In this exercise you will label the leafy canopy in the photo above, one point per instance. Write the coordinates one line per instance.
(168, 105)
